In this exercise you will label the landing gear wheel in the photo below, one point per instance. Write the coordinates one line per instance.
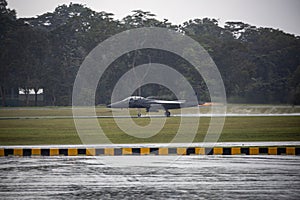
(139, 115)
(167, 114)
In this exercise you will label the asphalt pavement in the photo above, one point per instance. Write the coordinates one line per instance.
(150, 177)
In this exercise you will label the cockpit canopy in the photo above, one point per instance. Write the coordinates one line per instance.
(133, 98)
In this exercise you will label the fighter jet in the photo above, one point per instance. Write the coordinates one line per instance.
(151, 104)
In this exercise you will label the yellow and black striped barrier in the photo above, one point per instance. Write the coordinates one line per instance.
(149, 151)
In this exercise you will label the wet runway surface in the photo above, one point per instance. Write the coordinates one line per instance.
(150, 177)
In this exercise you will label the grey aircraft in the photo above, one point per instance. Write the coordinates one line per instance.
(151, 104)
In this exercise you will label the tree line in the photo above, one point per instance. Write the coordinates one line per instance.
(258, 65)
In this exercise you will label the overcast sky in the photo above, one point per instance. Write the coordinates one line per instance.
(278, 14)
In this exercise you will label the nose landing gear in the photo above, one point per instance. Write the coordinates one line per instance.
(139, 113)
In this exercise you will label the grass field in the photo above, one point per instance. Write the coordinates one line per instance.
(62, 131)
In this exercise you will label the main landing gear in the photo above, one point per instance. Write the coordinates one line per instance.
(167, 113)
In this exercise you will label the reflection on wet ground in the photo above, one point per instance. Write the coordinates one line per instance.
(148, 177)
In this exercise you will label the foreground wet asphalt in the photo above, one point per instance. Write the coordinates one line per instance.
(150, 177)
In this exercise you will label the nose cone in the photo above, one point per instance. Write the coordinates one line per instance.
(117, 105)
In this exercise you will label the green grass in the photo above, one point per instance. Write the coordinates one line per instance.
(45, 111)
(62, 131)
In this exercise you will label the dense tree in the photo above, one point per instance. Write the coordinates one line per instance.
(258, 65)
(8, 24)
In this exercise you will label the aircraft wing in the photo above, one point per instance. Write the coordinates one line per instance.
(165, 102)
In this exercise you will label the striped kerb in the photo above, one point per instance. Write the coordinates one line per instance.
(200, 151)
(181, 151)
(90, 152)
(290, 150)
(2, 152)
(109, 151)
(218, 151)
(54, 152)
(127, 151)
(18, 152)
(163, 151)
(36, 152)
(150, 151)
(253, 150)
(72, 152)
(235, 150)
(145, 151)
(272, 150)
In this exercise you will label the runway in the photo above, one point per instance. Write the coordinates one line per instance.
(159, 116)
(193, 177)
